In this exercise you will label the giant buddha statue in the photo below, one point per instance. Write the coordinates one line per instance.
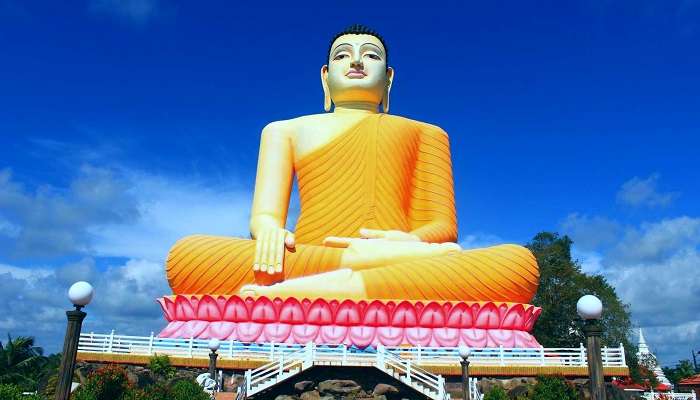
(377, 228)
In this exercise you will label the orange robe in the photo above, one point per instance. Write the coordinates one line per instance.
(386, 172)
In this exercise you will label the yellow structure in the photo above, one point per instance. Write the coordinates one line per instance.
(377, 219)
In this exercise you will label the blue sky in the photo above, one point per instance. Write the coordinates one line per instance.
(127, 124)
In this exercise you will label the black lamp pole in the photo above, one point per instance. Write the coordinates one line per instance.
(593, 331)
(212, 364)
(70, 349)
(465, 378)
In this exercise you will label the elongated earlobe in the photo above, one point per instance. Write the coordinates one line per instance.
(385, 99)
(387, 89)
(326, 91)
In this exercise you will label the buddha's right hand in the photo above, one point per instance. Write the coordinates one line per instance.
(270, 245)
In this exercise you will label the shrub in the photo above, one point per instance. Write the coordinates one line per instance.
(188, 390)
(496, 393)
(10, 392)
(161, 367)
(553, 388)
(107, 383)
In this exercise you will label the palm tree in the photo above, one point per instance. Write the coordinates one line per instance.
(21, 362)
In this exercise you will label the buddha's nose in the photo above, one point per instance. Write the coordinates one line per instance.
(356, 61)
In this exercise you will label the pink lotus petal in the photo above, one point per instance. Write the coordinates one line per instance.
(390, 335)
(446, 337)
(419, 336)
(362, 336)
(333, 334)
(249, 331)
(305, 333)
(277, 332)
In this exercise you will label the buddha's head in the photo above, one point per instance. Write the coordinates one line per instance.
(357, 73)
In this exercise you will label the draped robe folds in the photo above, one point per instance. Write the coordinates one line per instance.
(385, 172)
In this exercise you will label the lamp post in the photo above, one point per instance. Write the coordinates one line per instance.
(80, 294)
(464, 353)
(590, 309)
(213, 346)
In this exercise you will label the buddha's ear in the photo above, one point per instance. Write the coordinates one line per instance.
(387, 89)
(326, 91)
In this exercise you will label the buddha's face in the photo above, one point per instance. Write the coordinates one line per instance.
(356, 70)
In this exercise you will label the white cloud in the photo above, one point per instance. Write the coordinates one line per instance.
(479, 240)
(102, 213)
(644, 192)
(591, 232)
(35, 299)
(168, 210)
(655, 267)
(133, 11)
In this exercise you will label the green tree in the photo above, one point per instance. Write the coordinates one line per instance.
(107, 383)
(161, 367)
(496, 393)
(682, 370)
(553, 388)
(188, 390)
(21, 362)
(562, 283)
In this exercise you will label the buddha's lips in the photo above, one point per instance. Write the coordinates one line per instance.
(353, 73)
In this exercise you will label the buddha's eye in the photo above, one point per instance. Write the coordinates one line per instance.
(373, 56)
(340, 56)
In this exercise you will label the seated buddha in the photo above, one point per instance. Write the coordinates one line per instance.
(377, 217)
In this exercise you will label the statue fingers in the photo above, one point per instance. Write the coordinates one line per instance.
(289, 241)
(258, 252)
(372, 233)
(279, 252)
(265, 251)
(339, 242)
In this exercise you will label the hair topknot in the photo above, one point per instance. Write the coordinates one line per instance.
(359, 29)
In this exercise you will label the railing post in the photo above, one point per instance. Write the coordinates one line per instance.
(542, 356)
(604, 355)
(380, 357)
(419, 356)
(501, 355)
(111, 340)
(230, 348)
(281, 367)
(622, 355)
(189, 347)
(272, 351)
(441, 387)
(150, 344)
(408, 371)
(248, 378)
(345, 354)
(582, 354)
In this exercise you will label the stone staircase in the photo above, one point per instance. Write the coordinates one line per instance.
(288, 364)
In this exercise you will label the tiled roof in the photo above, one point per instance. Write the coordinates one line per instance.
(693, 380)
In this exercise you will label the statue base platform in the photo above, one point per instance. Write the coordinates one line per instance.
(358, 323)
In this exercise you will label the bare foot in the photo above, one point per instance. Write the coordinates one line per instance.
(339, 284)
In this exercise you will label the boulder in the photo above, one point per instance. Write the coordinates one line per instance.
(312, 395)
(383, 388)
(339, 387)
(304, 386)
(286, 397)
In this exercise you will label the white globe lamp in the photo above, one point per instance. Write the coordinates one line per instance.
(80, 293)
(589, 307)
(464, 352)
(214, 345)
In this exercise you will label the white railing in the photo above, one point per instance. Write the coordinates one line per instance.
(341, 354)
(285, 366)
(411, 374)
(668, 396)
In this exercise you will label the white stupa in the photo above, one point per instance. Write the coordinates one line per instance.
(643, 350)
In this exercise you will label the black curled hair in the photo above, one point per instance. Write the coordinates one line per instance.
(358, 29)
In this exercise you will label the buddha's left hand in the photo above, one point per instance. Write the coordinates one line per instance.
(391, 235)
